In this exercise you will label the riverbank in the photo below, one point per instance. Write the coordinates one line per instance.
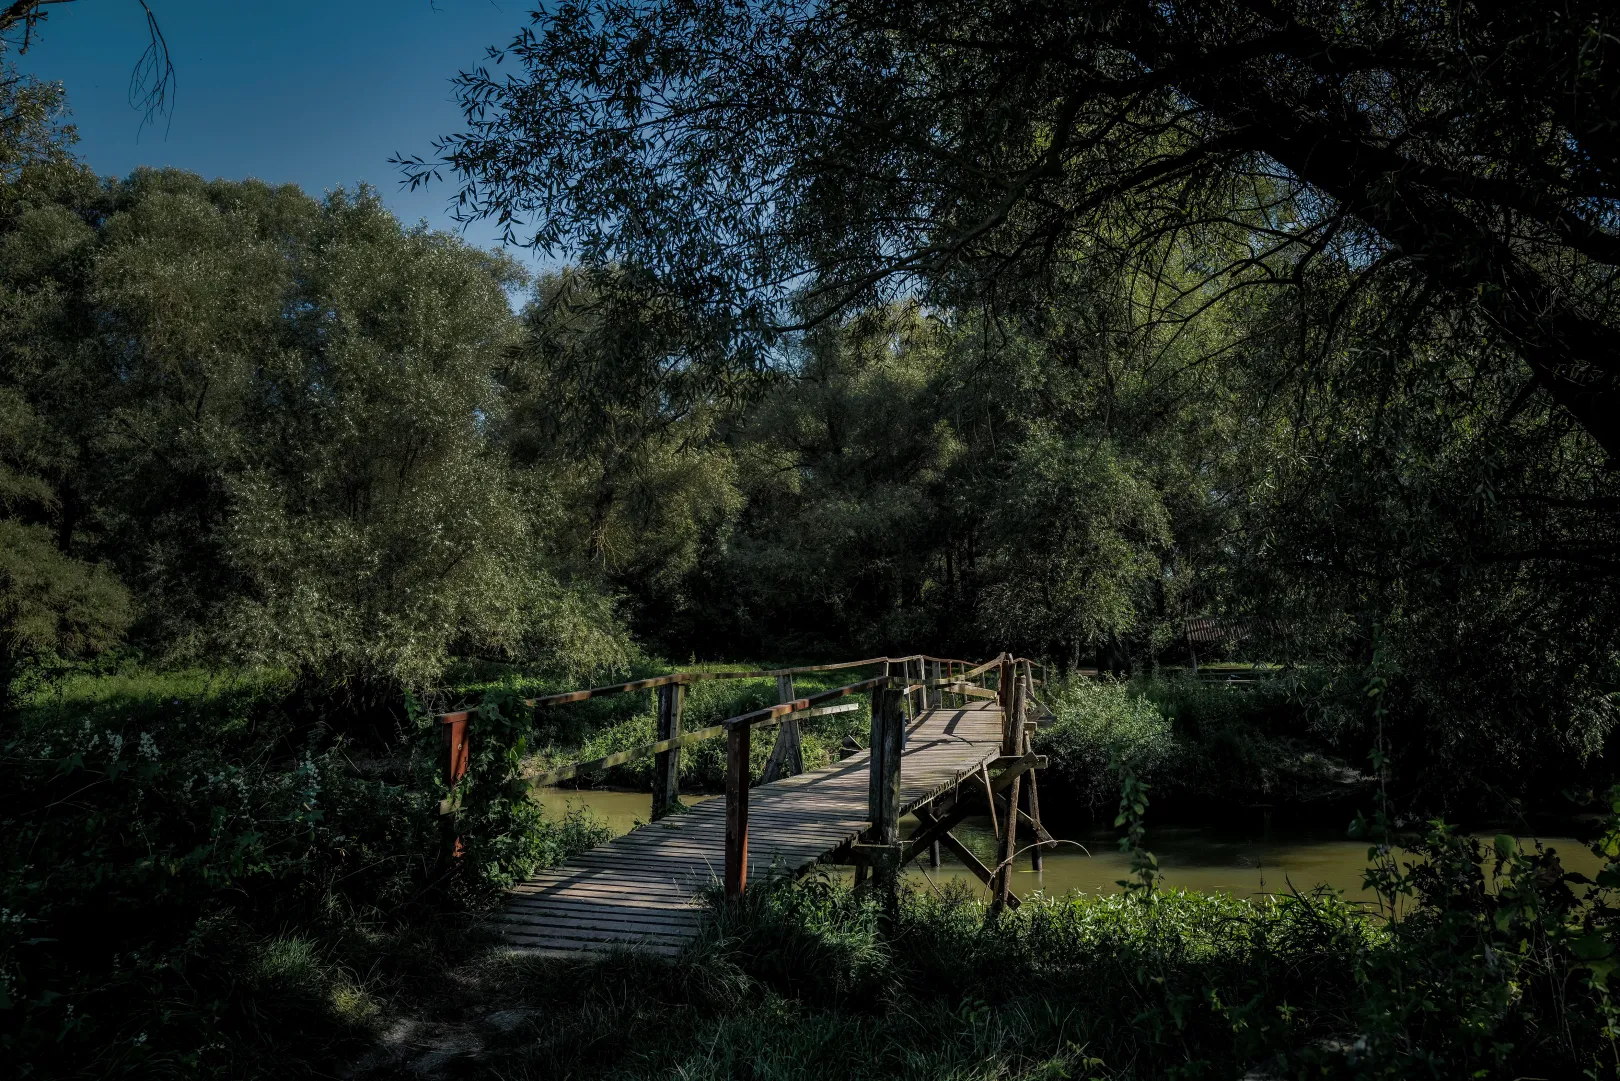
(806, 980)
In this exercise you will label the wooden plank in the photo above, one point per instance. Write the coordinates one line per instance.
(570, 952)
(650, 879)
(973, 692)
(628, 905)
(672, 919)
(590, 919)
(589, 930)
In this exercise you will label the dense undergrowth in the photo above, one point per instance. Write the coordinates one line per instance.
(810, 980)
(170, 831)
(201, 879)
(1288, 739)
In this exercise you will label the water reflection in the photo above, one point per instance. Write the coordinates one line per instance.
(1244, 861)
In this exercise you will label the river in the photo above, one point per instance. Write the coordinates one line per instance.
(1248, 857)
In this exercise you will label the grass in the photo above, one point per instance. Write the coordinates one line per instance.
(806, 981)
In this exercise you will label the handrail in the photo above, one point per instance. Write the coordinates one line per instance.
(895, 686)
(652, 682)
(979, 671)
(542, 778)
(771, 712)
(694, 677)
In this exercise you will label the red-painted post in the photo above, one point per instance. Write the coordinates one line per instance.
(457, 748)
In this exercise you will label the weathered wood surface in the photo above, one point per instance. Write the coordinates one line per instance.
(641, 890)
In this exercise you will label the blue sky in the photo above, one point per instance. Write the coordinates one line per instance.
(315, 94)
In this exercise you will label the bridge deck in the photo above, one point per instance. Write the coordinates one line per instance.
(641, 889)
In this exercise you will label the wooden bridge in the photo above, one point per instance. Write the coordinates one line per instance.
(947, 739)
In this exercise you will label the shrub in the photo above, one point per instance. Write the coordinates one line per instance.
(188, 870)
(1100, 722)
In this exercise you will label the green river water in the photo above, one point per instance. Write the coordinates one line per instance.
(1248, 858)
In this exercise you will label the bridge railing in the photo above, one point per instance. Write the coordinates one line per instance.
(920, 683)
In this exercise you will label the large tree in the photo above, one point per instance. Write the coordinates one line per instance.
(772, 163)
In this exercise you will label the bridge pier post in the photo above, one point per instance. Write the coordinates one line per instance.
(1012, 744)
(787, 754)
(883, 791)
(1033, 798)
(457, 751)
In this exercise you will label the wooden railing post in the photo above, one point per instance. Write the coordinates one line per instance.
(667, 764)
(883, 792)
(738, 746)
(1012, 743)
(787, 755)
(456, 742)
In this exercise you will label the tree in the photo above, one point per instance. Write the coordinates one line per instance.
(773, 164)
(151, 84)
(273, 415)
(51, 607)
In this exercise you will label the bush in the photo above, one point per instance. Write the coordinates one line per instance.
(1100, 722)
(181, 840)
(802, 980)
(1204, 743)
(1497, 969)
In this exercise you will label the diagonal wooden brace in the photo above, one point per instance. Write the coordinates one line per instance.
(965, 854)
(1014, 766)
(934, 827)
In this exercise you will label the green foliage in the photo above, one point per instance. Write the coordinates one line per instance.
(33, 130)
(274, 415)
(1101, 725)
(504, 835)
(1133, 805)
(802, 981)
(194, 875)
(1501, 960)
(51, 607)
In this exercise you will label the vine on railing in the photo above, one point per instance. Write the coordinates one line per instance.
(501, 834)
